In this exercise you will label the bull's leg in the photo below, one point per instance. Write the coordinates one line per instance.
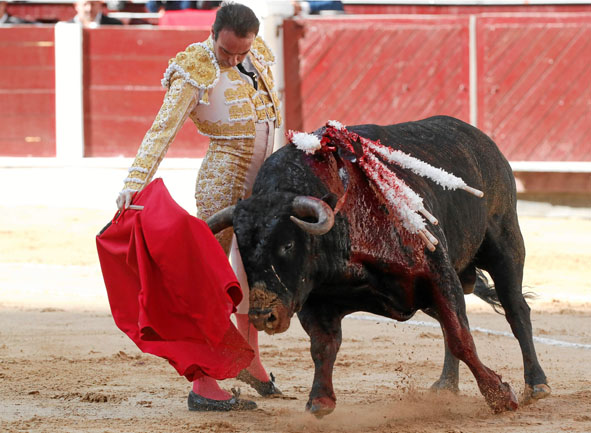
(450, 375)
(503, 256)
(451, 309)
(323, 325)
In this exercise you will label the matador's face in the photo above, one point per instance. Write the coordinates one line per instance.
(229, 49)
(88, 10)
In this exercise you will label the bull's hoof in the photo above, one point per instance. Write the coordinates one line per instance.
(445, 385)
(503, 399)
(536, 392)
(320, 407)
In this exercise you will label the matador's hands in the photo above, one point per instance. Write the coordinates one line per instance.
(124, 199)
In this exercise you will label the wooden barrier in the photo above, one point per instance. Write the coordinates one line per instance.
(530, 76)
(484, 7)
(123, 68)
(534, 97)
(375, 69)
(521, 78)
(27, 112)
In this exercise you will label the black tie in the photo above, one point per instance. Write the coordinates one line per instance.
(252, 75)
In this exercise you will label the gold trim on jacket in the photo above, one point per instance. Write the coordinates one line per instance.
(222, 104)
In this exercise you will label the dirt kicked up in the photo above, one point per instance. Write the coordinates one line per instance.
(65, 367)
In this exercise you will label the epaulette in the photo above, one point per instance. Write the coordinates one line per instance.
(197, 65)
(262, 52)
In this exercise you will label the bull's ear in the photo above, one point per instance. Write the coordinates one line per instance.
(330, 199)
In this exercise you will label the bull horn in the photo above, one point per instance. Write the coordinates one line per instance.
(304, 206)
(221, 220)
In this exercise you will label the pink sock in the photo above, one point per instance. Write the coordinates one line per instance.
(208, 387)
(250, 333)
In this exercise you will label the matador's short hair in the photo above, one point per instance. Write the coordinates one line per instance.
(236, 17)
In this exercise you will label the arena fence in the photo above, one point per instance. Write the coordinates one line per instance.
(520, 77)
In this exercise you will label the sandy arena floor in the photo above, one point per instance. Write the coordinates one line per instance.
(65, 367)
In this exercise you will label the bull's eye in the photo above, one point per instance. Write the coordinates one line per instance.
(285, 248)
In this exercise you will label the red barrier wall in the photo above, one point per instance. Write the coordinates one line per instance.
(27, 88)
(532, 76)
(122, 91)
(368, 8)
(48, 12)
(54, 11)
(534, 92)
(375, 69)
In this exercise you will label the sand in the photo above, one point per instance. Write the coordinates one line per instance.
(65, 367)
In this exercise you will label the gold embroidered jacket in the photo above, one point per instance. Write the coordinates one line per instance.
(221, 103)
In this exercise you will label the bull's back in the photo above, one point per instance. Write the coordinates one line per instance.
(441, 141)
(454, 146)
(448, 143)
(464, 151)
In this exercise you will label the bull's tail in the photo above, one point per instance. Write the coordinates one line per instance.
(486, 291)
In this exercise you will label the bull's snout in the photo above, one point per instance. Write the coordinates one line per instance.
(262, 319)
(267, 313)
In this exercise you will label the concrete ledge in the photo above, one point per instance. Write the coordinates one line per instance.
(55, 180)
(90, 183)
(553, 182)
(551, 166)
(117, 162)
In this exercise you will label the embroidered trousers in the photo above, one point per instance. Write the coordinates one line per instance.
(226, 175)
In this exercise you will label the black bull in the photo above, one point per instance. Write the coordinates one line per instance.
(367, 262)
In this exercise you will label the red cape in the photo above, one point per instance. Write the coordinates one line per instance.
(171, 288)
